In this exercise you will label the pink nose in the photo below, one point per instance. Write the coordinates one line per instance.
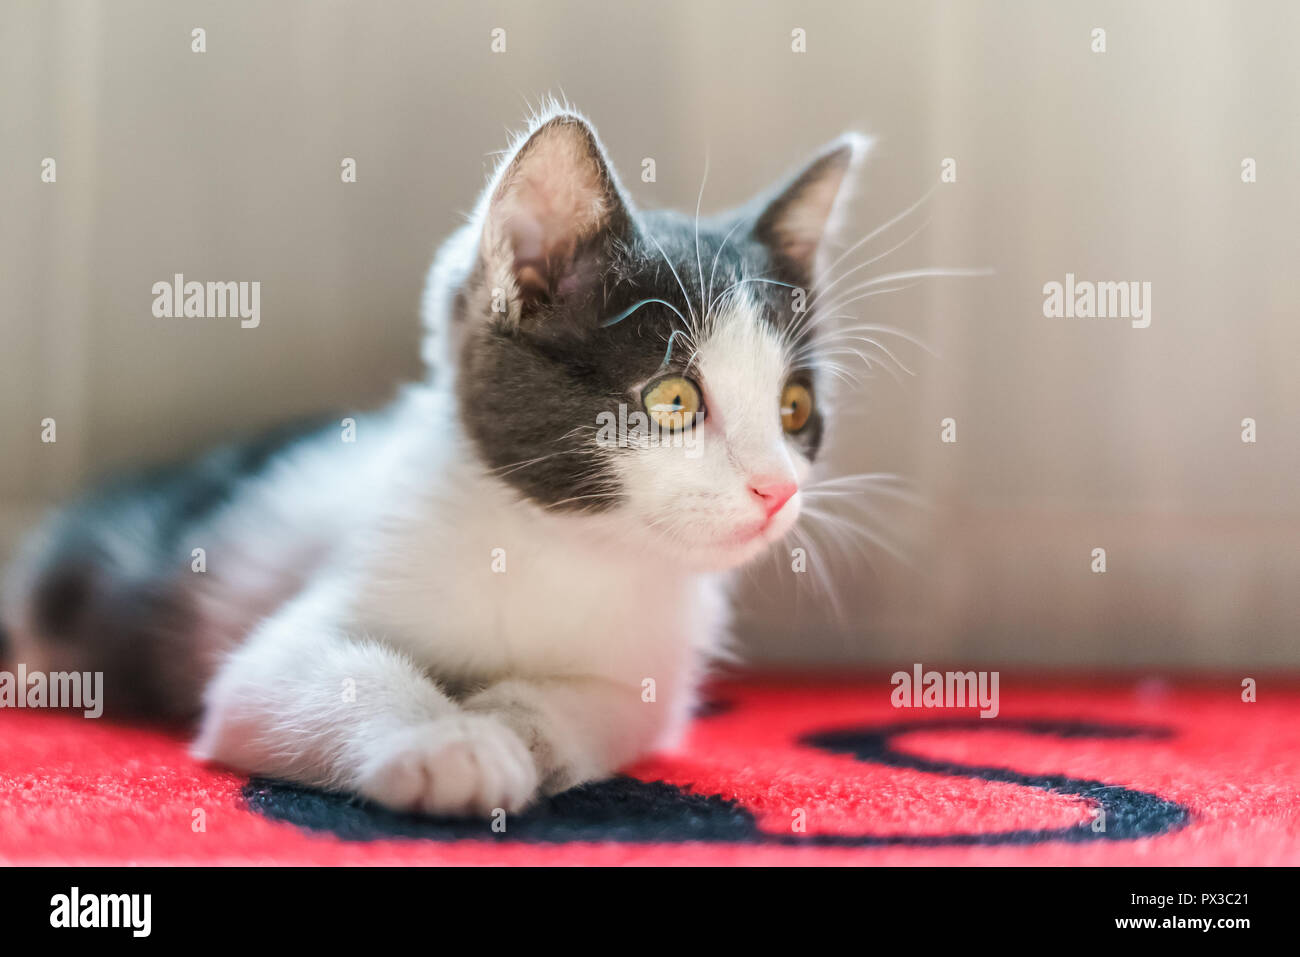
(773, 495)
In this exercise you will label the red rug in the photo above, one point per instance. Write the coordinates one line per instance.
(774, 772)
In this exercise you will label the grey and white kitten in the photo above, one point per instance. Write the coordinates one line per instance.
(491, 594)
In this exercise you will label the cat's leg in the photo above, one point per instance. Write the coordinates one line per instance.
(577, 729)
(303, 701)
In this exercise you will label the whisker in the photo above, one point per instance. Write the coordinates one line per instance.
(876, 232)
(875, 538)
(886, 330)
(579, 498)
(822, 291)
(680, 285)
(826, 523)
(841, 371)
(503, 470)
(852, 495)
(817, 348)
(714, 268)
(740, 282)
(860, 477)
(668, 353)
(644, 302)
(699, 267)
(828, 317)
(819, 569)
(934, 272)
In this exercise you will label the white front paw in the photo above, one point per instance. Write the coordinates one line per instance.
(463, 765)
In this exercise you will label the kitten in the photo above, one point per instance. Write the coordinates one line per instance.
(491, 594)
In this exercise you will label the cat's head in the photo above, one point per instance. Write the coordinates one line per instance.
(651, 371)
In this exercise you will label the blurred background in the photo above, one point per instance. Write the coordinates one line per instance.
(1072, 434)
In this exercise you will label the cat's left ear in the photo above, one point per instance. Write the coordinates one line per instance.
(551, 216)
(793, 223)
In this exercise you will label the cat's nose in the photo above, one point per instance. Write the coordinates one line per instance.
(773, 494)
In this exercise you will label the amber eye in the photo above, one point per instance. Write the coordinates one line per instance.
(796, 406)
(673, 402)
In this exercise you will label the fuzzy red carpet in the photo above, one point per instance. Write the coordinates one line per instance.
(774, 772)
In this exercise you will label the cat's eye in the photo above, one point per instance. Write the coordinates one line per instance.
(796, 407)
(673, 402)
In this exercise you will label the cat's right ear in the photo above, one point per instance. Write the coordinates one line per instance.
(550, 218)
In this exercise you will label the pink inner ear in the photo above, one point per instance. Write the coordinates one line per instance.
(551, 201)
(527, 240)
(526, 237)
(793, 224)
(800, 229)
(799, 248)
(543, 247)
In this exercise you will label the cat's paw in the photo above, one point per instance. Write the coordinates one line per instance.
(461, 765)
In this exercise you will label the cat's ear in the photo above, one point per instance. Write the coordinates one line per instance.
(794, 221)
(550, 216)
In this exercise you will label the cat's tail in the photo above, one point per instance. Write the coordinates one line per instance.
(73, 607)
(107, 583)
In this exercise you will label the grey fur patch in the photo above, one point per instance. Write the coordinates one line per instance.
(531, 392)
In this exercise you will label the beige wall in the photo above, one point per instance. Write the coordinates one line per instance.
(1071, 434)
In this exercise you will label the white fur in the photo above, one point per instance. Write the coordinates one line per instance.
(553, 654)
(416, 672)
(702, 502)
(360, 630)
(364, 636)
(334, 688)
